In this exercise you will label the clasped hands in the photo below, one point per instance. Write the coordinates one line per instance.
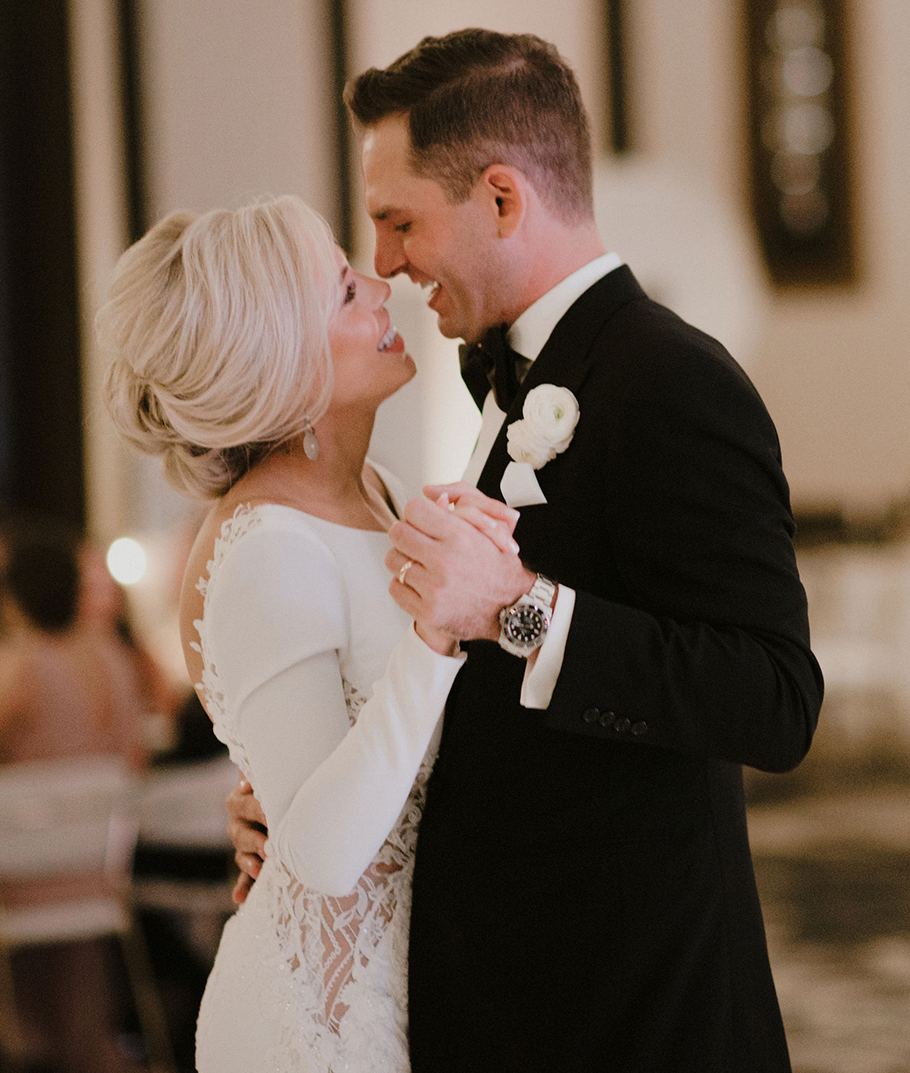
(464, 568)
(455, 563)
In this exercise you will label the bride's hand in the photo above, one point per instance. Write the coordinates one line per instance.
(489, 516)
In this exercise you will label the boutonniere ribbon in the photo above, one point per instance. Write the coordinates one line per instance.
(546, 428)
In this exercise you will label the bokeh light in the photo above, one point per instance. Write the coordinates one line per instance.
(126, 561)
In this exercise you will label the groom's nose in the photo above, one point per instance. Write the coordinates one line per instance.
(389, 258)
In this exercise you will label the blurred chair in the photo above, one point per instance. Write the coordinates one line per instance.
(859, 610)
(62, 821)
(185, 865)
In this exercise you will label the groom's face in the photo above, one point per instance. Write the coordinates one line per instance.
(449, 249)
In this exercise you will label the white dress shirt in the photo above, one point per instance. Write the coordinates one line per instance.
(527, 337)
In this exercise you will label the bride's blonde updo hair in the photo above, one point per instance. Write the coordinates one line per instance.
(219, 329)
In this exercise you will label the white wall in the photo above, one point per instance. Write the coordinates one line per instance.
(239, 101)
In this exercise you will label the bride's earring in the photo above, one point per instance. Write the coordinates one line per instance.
(310, 443)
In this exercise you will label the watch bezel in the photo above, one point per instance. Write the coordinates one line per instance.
(507, 620)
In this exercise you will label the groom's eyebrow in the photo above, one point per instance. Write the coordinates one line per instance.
(383, 213)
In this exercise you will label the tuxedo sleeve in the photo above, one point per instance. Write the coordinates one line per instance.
(698, 641)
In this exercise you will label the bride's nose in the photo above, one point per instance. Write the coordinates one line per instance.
(382, 292)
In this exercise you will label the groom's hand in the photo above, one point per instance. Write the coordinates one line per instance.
(247, 830)
(460, 578)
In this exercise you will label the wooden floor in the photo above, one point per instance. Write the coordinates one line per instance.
(834, 876)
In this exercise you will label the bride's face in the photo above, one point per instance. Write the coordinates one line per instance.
(369, 358)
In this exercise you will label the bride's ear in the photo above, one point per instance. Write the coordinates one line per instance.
(505, 191)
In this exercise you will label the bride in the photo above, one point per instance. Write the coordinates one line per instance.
(252, 358)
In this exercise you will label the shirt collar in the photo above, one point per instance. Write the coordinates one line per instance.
(534, 327)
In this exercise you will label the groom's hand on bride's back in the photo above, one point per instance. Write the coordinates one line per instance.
(247, 830)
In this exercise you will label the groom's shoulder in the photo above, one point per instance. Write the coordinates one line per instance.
(646, 351)
(626, 318)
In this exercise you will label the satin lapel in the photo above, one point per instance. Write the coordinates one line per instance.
(565, 359)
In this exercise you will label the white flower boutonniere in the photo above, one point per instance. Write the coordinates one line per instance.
(549, 417)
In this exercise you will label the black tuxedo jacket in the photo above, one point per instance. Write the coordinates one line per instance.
(583, 891)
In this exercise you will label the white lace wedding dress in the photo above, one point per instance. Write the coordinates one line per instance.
(330, 704)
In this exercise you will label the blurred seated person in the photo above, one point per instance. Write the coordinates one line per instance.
(102, 607)
(67, 689)
(177, 728)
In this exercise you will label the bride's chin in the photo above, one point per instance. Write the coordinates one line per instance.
(408, 369)
(409, 372)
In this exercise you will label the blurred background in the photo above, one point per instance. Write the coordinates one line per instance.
(752, 168)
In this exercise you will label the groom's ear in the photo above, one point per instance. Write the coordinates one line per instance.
(505, 191)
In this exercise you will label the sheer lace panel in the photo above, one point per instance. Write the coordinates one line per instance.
(244, 519)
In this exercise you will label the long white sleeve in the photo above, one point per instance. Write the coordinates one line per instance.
(277, 620)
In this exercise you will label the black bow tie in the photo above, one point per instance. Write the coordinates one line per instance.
(492, 363)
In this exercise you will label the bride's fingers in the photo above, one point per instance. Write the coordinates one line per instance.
(464, 494)
(433, 532)
(493, 528)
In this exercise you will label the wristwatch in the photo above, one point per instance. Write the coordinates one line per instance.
(524, 625)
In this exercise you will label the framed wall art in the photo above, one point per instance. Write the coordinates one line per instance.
(799, 139)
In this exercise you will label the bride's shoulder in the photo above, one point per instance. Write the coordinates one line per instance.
(250, 529)
(248, 555)
(247, 529)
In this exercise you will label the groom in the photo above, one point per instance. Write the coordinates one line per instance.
(583, 889)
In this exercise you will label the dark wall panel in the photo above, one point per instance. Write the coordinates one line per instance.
(41, 419)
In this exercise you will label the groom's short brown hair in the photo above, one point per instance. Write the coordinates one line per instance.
(475, 98)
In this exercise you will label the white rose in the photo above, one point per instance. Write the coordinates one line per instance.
(546, 430)
(552, 413)
(525, 445)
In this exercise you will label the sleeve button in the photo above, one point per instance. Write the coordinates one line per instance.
(621, 726)
(591, 715)
(606, 719)
(638, 729)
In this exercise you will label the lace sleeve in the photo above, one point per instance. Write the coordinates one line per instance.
(331, 791)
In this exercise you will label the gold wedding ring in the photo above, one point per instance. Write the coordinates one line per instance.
(403, 572)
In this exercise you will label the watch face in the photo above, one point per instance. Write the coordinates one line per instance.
(524, 624)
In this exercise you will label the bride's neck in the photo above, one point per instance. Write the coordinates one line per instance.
(337, 485)
(344, 440)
